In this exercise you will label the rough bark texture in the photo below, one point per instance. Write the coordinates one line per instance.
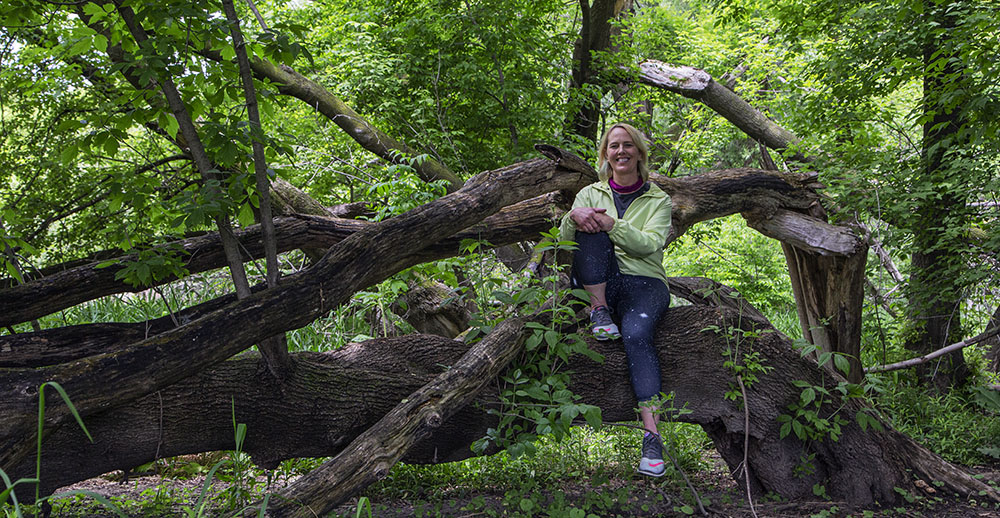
(829, 292)
(360, 260)
(333, 397)
(433, 308)
(695, 198)
(370, 456)
(993, 355)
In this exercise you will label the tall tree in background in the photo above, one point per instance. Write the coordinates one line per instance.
(929, 62)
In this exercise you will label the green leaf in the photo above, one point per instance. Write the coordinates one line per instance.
(808, 396)
(111, 146)
(245, 216)
(799, 430)
(842, 364)
(593, 416)
(68, 154)
(100, 43)
(80, 47)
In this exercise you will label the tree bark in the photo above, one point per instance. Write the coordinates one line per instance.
(695, 198)
(331, 398)
(370, 456)
(104, 381)
(432, 307)
(595, 36)
(274, 349)
(993, 355)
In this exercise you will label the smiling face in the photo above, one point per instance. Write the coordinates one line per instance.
(623, 156)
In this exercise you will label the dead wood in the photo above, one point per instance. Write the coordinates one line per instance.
(699, 85)
(331, 398)
(370, 456)
(104, 381)
(696, 198)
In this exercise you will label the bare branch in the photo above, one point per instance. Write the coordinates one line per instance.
(938, 353)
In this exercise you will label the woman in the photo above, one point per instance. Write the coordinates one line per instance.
(620, 225)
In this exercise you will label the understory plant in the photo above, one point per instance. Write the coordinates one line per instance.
(535, 398)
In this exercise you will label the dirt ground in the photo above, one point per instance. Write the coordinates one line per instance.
(632, 497)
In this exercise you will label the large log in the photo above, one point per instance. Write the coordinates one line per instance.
(331, 398)
(82, 283)
(104, 381)
(696, 198)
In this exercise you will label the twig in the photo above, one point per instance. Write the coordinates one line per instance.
(930, 356)
(746, 442)
(260, 19)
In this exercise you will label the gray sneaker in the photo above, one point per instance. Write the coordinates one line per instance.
(602, 326)
(652, 456)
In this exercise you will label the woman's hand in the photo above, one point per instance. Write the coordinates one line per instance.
(591, 219)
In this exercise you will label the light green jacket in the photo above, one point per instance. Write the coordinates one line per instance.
(639, 236)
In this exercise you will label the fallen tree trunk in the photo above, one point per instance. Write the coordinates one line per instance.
(104, 381)
(696, 198)
(332, 398)
(82, 283)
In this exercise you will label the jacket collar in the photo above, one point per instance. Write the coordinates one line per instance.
(654, 190)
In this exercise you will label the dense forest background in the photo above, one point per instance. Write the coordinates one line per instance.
(129, 128)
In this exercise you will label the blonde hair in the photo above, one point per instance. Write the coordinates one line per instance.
(604, 168)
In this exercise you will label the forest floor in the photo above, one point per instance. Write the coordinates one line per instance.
(157, 497)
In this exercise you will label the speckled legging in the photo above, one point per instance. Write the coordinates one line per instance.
(637, 301)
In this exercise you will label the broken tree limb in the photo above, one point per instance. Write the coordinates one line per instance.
(695, 198)
(360, 260)
(370, 456)
(808, 233)
(699, 85)
(331, 398)
(913, 362)
(66, 288)
(294, 84)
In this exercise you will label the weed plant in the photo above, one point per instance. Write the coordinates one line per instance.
(959, 425)
(556, 476)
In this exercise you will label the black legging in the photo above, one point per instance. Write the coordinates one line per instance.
(637, 301)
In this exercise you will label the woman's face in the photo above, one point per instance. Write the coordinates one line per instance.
(621, 153)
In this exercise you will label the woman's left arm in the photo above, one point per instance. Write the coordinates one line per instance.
(641, 238)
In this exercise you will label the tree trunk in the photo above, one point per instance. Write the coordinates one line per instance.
(595, 36)
(331, 398)
(104, 381)
(937, 259)
(993, 355)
